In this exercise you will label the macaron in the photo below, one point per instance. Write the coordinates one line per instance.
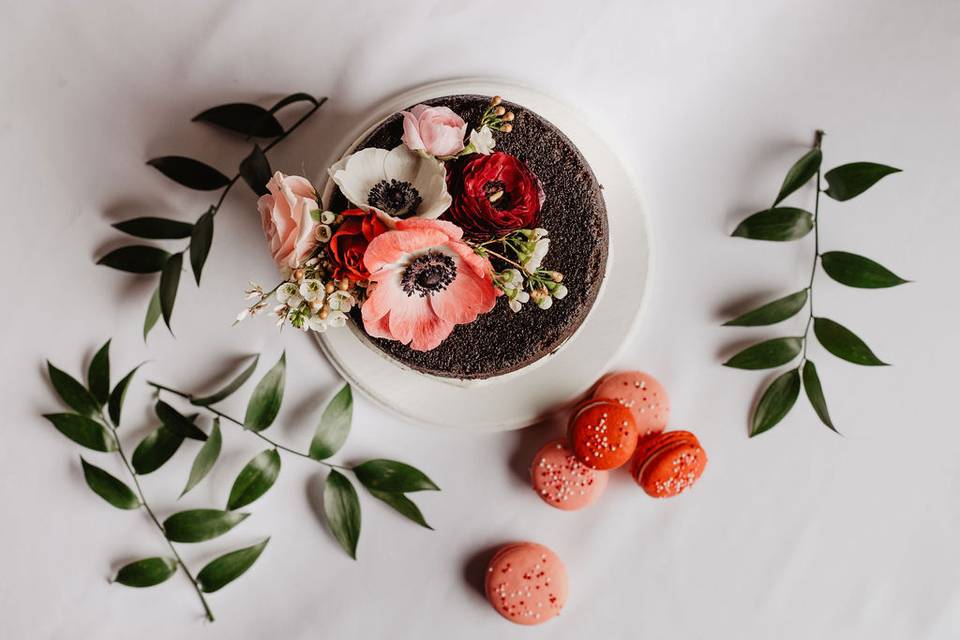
(562, 481)
(642, 394)
(526, 583)
(602, 434)
(667, 464)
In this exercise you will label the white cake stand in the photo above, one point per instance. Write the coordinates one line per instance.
(515, 401)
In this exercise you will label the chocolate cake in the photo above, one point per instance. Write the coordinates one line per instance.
(503, 341)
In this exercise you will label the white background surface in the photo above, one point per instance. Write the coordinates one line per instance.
(796, 534)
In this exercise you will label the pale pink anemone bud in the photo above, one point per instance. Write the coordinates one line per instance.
(437, 131)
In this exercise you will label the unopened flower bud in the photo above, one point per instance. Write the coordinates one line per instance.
(495, 101)
(508, 116)
(499, 111)
(329, 288)
(298, 274)
(507, 128)
(344, 284)
(556, 276)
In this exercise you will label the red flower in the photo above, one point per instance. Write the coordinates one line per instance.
(493, 195)
(349, 242)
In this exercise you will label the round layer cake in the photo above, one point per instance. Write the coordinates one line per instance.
(573, 212)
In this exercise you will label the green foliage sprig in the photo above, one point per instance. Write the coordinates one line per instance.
(249, 120)
(780, 224)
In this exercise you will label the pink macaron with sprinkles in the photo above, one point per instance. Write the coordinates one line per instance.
(526, 583)
(562, 481)
(642, 394)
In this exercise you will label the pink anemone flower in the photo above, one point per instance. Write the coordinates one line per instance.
(424, 280)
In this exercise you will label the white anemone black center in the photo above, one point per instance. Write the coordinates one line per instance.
(395, 197)
(428, 273)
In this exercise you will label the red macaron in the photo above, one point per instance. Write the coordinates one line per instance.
(667, 464)
(602, 433)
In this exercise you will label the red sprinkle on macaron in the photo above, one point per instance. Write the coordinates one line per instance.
(642, 394)
(562, 481)
(526, 583)
(603, 434)
(667, 464)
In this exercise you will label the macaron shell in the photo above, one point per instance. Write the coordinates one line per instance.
(668, 464)
(603, 434)
(526, 583)
(562, 481)
(642, 394)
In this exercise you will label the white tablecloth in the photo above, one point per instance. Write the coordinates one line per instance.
(796, 534)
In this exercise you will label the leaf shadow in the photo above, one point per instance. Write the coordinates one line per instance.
(228, 367)
(314, 494)
(746, 302)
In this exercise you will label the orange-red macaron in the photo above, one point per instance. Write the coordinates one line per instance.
(667, 464)
(602, 433)
(562, 481)
(526, 583)
(642, 394)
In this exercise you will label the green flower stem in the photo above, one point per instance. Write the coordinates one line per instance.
(818, 139)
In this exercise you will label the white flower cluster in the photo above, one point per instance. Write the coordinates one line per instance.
(541, 286)
(311, 304)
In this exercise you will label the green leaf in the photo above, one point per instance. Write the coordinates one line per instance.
(334, 425)
(342, 508)
(73, 394)
(84, 431)
(206, 458)
(190, 173)
(811, 384)
(857, 271)
(169, 282)
(136, 258)
(197, 525)
(402, 504)
(98, 375)
(778, 224)
(155, 228)
(776, 402)
(147, 572)
(117, 396)
(800, 173)
(228, 567)
(843, 343)
(177, 422)
(109, 487)
(200, 243)
(241, 117)
(850, 180)
(265, 402)
(228, 390)
(766, 354)
(153, 313)
(772, 312)
(393, 476)
(155, 449)
(255, 171)
(255, 479)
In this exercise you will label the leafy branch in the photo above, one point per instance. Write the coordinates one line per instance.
(781, 224)
(249, 120)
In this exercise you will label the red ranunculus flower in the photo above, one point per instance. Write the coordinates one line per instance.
(349, 242)
(493, 195)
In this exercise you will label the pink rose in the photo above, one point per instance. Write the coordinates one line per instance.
(287, 217)
(436, 130)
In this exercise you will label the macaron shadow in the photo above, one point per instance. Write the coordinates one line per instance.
(475, 569)
(528, 441)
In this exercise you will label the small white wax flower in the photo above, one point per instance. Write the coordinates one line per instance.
(315, 323)
(327, 217)
(340, 300)
(288, 294)
(515, 306)
(516, 278)
(311, 289)
(545, 302)
(539, 252)
(323, 232)
(540, 232)
(336, 319)
(523, 297)
(560, 292)
(482, 140)
(243, 315)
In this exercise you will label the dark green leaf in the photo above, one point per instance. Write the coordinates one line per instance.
(296, 97)
(772, 312)
(197, 525)
(403, 505)
(206, 458)
(153, 313)
(98, 375)
(334, 425)
(115, 403)
(155, 228)
(248, 119)
(177, 422)
(779, 224)
(154, 450)
(255, 171)
(255, 479)
(108, 487)
(228, 390)
(228, 567)
(857, 271)
(73, 394)
(776, 402)
(136, 258)
(147, 572)
(850, 180)
(200, 243)
(265, 402)
(342, 507)
(393, 476)
(169, 282)
(811, 384)
(84, 431)
(190, 173)
(766, 354)
(843, 343)
(800, 173)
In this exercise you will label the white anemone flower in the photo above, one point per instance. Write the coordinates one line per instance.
(395, 184)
